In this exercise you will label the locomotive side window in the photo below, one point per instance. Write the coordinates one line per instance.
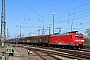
(78, 36)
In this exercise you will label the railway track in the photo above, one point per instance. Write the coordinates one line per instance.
(87, 50)
(42, 53)
(72, 54)
(57, 52)
(44, 56)
(19, 54)
(79, 54)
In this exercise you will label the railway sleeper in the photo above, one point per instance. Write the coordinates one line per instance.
(85, 57)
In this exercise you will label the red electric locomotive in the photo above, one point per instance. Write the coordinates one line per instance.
(70, 40)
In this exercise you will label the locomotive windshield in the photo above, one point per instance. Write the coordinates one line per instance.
(78, 36)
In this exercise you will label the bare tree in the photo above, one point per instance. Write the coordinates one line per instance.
(87, 37)
(87, 32)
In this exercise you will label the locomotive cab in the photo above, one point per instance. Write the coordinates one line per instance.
(78, 39)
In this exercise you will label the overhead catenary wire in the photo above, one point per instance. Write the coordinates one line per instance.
(65, 11)
(38, 10)
(51, 5)
(35, 12)
(59, 5)
(71, 9)
(77, 16)
(76, 12)
(75, 8)
(29, 9)
(32, 10)
(78, 24)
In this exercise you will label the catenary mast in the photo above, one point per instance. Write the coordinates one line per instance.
(3, 23)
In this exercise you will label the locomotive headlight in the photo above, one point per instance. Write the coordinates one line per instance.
(82, 40)
(76, 40)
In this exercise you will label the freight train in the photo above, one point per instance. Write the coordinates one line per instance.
(72, 40)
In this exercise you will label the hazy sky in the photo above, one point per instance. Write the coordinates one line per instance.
(34, 14)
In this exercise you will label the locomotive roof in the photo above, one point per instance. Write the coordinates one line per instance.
(73, 32)
(59, 34)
